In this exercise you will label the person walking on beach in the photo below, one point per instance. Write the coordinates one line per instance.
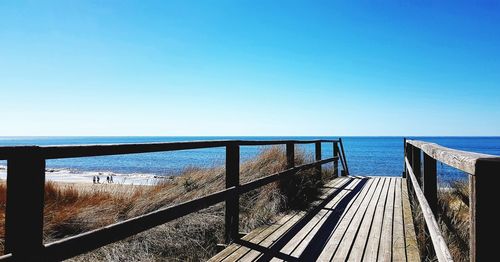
(98, 180)
(93, 179)
(111, 178)
(107, 179)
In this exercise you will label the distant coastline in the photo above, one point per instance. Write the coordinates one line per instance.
(374, 156)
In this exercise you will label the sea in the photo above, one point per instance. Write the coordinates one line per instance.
(366, 156)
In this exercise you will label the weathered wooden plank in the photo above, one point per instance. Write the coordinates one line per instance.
(385, 249)
(349, 237)
(300, 236)
(465, 161)
(364, 230)
(301, 240)
(333, 186)
(261, 236)
(483, 190)
(270, 239)
(398, 236)
(372, 246)
(344, 159)
(52, 152)
(440, 247)
(412, 254)
(338, 233)
(430, 181)
(232, 207)
(336, 162)
(290, 155)
(24, 207)
(317, 154)
(416, 163)
(233, 247)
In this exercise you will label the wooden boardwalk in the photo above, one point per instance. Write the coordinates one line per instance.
(357, 219)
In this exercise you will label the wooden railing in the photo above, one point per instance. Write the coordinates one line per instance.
(484, 175)
(26, 181)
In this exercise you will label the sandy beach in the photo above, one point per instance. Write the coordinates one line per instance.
(87, 177)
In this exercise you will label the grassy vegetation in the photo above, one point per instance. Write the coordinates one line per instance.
(452, 215)
(73, 209)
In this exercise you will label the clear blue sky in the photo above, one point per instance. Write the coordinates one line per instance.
(249, 68)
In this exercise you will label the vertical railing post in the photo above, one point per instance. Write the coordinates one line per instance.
(483, 189)
(409, 151)
(317, 147)
(336, 161)
(24, 207)
(290, 155)
(404, 155)
(416, 164)
(232, 203)
(430, 181)
(345, 172)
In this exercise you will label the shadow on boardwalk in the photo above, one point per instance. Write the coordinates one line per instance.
(318, 242)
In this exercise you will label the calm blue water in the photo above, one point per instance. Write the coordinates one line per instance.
(375, 156)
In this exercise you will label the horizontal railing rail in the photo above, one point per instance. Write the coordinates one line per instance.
(440, 247)
(24, 226)
(483, 173)
(462, 160)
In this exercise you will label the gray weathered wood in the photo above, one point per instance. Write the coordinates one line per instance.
(335, 163)
(317, 153)
(440, 247)
(398, 237)
(24, 207)
(462, 160)
(349, 237)
(385, 249)
(409, 151)
(232, 214)
(339, 231)
(233, 247)
(483, 189)
(344, 160)
(430, 181)
(361, 241)
(373, 243)
(70, 151)
(412, 254)
(290, 154)
(304, 241)
(416, 163)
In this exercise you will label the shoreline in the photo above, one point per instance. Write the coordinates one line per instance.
(86, 177)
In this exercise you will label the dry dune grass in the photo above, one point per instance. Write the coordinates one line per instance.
(452, 215)
(73, 209)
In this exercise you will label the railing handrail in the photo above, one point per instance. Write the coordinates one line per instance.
(484, 177)
(24, 227)
(72, 151)
(440, 247)
(462, 160)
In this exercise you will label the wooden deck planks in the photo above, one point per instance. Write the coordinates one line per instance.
(375, 225)
(297, 244)
(338, 233)
(412, 253)
(398, 236)
(385, 249)
(276, 235)
(301, 247)
(361, 241)
(371, 249)
(242, 250)
(349, 236)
